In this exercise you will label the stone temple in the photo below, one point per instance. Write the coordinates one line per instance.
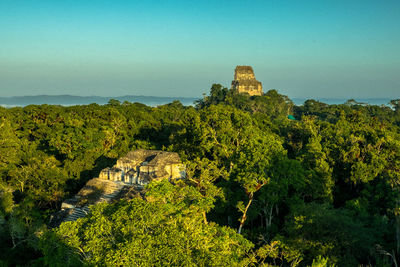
(128, 176)
(244, 81)
(139, 167)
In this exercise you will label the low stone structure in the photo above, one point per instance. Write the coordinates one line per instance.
(128, 175)
(244, 81)
(139, 167)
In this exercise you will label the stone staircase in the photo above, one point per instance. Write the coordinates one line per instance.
(77, 213)
(113, 189)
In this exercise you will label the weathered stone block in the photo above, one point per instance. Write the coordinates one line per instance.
(104, 174)
(115, 174)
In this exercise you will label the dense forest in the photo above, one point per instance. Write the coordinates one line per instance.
(268, 183)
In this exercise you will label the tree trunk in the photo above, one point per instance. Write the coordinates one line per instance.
(243, 219)
(22, 185)
(270, 216)
(205, 217)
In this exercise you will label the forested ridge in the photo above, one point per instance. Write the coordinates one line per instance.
(320, 188)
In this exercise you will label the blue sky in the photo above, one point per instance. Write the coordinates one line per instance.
(341, 48)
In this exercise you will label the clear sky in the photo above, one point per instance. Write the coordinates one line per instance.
(312, 48)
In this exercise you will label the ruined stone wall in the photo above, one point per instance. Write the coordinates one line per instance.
(141, 166)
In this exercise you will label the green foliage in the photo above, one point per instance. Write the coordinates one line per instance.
(320, 190)
(321, 262)
(165, 230)
(318, 229)
(278, 253)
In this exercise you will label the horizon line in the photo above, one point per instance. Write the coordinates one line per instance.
(183, 97)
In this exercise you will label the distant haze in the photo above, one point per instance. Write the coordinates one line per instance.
(305, 49)
(70, 100)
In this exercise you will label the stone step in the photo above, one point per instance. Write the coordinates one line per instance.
(107, 197)
(74, 217)
(116, 191)
(114, 188)
(86, 209)
(115, 185)
(78, 213)
(111, 195)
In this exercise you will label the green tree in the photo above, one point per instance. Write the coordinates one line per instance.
(165, 230)
(252, 167)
